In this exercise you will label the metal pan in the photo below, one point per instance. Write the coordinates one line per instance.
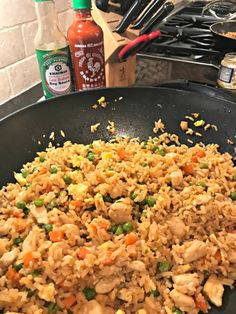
(134, 116)
(222, 42)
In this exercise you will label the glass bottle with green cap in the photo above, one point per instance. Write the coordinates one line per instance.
(87, 48)
(52, 51)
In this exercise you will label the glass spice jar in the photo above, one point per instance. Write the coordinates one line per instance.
(227, 73)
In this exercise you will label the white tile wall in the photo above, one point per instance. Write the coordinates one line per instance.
(18, 66)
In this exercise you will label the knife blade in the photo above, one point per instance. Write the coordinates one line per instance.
(148, 13)
(158, 18)
(131, 15)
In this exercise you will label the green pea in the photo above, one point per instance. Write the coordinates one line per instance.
(17, 241)
(144, 145)
(127, 227)
(119, 230)
(142, 203)
(48, 228)
(145, 164)
(90, 145)
(203, 165)
(113, 229)
(51, 205)
(28, 185)
(107, 198)
(89, 293)
(36, 272)
(234, 177)
(163, 266)
(35, 169)
(151, 201)
(91, 208)
(21, 204)
(53, 169)
(133, 195)
(39, 202)
(42, 159)
(201, 183)
(162, 152)
(53, 308)
(91, 156)
(233, 196)
(30, 293)
(17, 267)
(176, 311)
(67, 179)
(154, 148)
(24, 173)
(154, 293)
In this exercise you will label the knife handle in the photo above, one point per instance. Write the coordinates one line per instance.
(158, 18)
(151, 9)
(131, 15)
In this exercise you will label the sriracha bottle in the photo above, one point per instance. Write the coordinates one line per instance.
(87, 48)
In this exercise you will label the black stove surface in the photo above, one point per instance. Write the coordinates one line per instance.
(186, 35)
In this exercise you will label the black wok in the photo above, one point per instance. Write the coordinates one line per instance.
(134, 116)
(222, 42)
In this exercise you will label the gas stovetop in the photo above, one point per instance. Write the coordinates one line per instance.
(186, 35)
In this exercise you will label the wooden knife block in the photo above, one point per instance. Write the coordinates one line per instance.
(117, 73)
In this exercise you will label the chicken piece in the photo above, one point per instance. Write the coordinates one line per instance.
(91, 307)
(40, 214)
(5, 228)
(196, 250)
(186, 283)
(177, 227)
(120, 211)
(214, 290)
(202, 199)
(137, 266)
(30, 242)
(183, 302)
(105, 285)
(176, 178)
(3, 246)
(8, 257)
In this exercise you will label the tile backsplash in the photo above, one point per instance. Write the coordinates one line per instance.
(18, 65)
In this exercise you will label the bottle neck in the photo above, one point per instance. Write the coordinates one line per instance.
(84, 14)
(46, 15)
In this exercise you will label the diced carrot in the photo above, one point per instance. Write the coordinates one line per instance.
(218, 256)
(28, 258)
(188, 169)
(13, 276)
(82, 253)
(130, 239)
(69, 301)
(41, 171)
(200, 153)
(108, 261)
(194, 159)
(48, 188)
(103, 224)
(56, 235)
(201, 303)
(76, 203)
(122, 153)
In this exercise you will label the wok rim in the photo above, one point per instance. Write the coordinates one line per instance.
(219, 34)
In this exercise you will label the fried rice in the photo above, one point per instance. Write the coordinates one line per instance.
(119, 227)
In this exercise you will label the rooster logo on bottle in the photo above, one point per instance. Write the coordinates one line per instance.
(93, 67)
